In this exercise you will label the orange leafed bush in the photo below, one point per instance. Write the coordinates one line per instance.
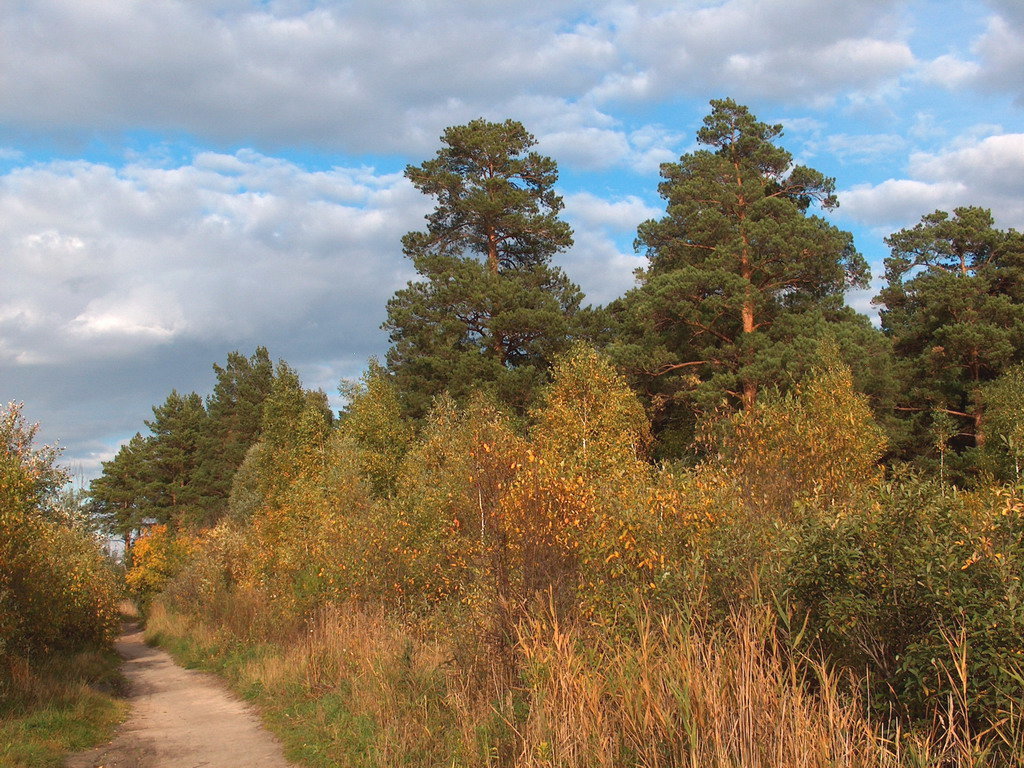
(158, 556)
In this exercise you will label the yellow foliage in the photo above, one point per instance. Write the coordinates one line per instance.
(819, 446)
(591, 421)
(156, 557)
(56, 588)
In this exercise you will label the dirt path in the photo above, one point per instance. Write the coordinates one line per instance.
(180, 719)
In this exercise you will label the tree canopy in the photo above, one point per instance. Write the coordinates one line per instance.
(490, 311)
(953, 305)
(741, 274)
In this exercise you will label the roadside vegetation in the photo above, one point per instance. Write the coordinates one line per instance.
(724, 521)
(58, 672)
(553, 599)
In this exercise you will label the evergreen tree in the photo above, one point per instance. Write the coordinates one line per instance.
(742, 278)
(120, 493)
(953, 305)
(173, 455)
(490, 311)
(234, 414)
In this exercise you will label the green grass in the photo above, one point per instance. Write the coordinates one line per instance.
(62, 705)
(314, 730)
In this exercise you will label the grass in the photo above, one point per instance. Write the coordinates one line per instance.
(353, 689)
(358, 688)
(60, 705)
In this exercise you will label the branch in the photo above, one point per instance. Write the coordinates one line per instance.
(940, 410)
(669, 367)
(700, 326)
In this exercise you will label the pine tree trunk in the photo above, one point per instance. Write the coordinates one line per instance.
(747, 318)
(492, 251)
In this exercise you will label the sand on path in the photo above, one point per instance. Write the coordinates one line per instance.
(180, 718)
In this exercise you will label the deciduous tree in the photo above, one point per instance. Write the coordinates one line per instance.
(374, 421)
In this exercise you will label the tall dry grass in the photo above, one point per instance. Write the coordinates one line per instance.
(668, 692)
(684, 693)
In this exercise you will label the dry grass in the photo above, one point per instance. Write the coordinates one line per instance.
(681, 693)
(128, 610)
(360, 688)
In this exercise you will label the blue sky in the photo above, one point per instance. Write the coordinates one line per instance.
(182, 178)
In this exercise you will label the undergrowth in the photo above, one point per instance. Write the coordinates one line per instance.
(357, 688)
(59, 705)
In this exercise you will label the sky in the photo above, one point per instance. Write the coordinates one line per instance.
(184, 178)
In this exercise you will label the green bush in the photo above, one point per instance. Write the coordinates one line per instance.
(922, 590)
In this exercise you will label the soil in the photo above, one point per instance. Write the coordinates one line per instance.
(180, 718)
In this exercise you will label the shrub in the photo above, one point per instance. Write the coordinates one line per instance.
(57, 591)
(157, 556)
(914, 584)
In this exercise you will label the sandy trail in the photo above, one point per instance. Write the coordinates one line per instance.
(180, 718)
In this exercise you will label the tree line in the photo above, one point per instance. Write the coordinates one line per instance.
(727, 451)
(744, 278)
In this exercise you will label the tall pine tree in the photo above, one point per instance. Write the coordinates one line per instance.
(489, 311)
(742, 277)
(234, 415)
(173, 457)
(120, 494)
(953, 305)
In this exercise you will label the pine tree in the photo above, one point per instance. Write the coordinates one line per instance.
(490, 311)
(954, 308)
(235, 411)
(741, 276)
(120, 493)
(173, 455)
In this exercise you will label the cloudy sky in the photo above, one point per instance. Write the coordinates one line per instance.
(182, 178)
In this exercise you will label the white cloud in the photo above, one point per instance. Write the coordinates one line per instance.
(326, 74)
(988, 172)
(596, 149)
(588, 211)
(896, 203)
(755, 50)
(333, 74)
(999, 56)
(1001, 52)
(133, 280)
(993, 167)
(587, 148)
(227, 247)
(602, 261)
(950, 71)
